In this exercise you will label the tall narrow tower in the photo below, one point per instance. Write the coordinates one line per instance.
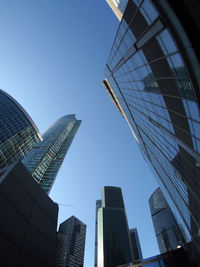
(113, 233)
(168, 233)
(45, 159)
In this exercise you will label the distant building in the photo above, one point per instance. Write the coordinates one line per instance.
(71, 243)
(152, 76)
(168, 233)
(18, 133)
(118, 7)
(114, 246)
(98, 206)
(135, 245)
(45, 159)
(28, 220)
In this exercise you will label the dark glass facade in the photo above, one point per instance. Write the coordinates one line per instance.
(18, 133)
(152, 77)
(114, 246)
(45, 159)
(28, 222)
(71, 243)
(135, 244)
(168, 233)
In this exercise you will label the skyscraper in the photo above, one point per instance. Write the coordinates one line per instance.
(45, 159)
(18, 133)
(135, 245)
(152, 76)
(118, 7)
(113, 233)
(168, 233)
(71, 243)
(98, 206)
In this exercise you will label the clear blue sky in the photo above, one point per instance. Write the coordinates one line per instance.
(52, 59)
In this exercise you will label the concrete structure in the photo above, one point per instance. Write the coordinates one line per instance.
(28, 220)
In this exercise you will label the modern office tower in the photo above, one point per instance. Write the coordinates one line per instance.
(113, 233)
(28, 224)
(45, 159)
(152, 76)
(168, 233)
(18, 133)
(71, 243)
(118, 7)
(98, 206)
(135, 245)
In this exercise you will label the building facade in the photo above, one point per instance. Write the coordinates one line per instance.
(118, 7)
(71, 243)
(114, 246)
(18, 133)
(152, 76)
(135, 245)
(28, 224)
(98, 206)
(45, 159)
(168, 233)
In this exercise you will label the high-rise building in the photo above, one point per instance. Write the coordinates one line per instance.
(114, 246)
(168, 233)
(118, 7)
(18, 133)
(135, 245)
(45, 159)
(98, 206)
(71, 243)
(152, 76)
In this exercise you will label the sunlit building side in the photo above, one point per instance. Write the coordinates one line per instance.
(18, 133)
(45, 159)
(152, 76)
(118, 7)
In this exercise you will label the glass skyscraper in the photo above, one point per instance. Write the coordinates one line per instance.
(135, 245)
(71, 243)
(18, 133)
(45, 159)
(152, 76)
(114, 247)
(168, 233)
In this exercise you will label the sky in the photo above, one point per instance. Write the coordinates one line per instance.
(53, 54)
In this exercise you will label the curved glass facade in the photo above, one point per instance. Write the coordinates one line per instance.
(149, 79)
(45, 159)
(18, 133)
